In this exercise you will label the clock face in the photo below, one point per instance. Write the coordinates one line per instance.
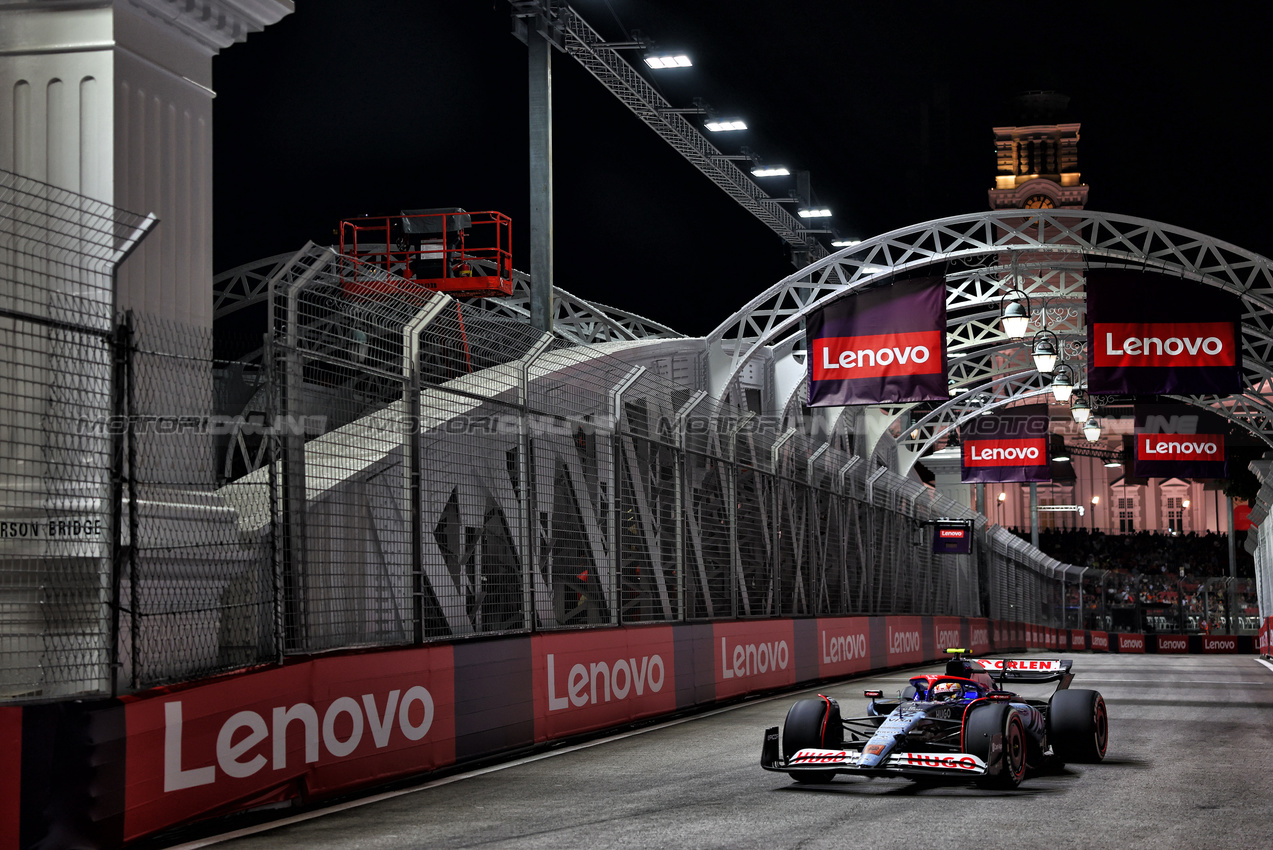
(1039, 202)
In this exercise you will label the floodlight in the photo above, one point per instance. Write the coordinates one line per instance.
(679, 60)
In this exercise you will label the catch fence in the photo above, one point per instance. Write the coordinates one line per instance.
(389, 471)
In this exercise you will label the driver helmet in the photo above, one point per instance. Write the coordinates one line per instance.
(947, 690)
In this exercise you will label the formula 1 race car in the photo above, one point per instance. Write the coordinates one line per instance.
(959, 725)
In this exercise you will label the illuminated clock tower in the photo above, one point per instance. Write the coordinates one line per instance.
(1038, 158)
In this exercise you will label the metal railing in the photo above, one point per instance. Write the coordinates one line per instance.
(427, 469)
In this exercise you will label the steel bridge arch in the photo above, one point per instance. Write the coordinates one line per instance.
(981, 256)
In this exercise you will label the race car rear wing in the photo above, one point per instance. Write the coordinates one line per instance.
(1028, 670)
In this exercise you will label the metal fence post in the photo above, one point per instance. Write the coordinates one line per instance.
(277, 536)
(683, 501)
(817, 566)
(526, 480)
(616, 504)
(414, 450)
(776, 531)
(122, 460)
(736, 581)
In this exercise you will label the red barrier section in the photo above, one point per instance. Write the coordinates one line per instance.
(595, 679)
(10, 776)
(979, 636)
(753, 656)
(947, 634)
(1078, 639)
(904, 640)
(1099, 641)
(1131, 643)
(323, 725)
(1221, 643)
(844, 646)
(1173, 643)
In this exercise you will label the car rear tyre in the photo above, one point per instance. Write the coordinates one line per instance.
(812, 724)
(1078, 726)
(983, 724)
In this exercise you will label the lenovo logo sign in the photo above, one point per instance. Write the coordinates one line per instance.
(752, 659)
(874, 356)
(899, 641)
(1006, 452)
(1100, 640)
(249, 742)
(1219, 644)
(1173, 644)
(1131, 643)
(843, 647)
(1180, 446)
(1177, 344)
(951, 533)
(600, 682)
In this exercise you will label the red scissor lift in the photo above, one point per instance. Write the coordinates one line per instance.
(444, 250)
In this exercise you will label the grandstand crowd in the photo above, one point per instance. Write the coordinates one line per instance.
(1155, 580)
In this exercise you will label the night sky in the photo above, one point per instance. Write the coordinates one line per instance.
(344, 109)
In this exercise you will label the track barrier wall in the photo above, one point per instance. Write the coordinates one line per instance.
(107, 772)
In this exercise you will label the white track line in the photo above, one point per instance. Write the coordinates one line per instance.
(1265, 663)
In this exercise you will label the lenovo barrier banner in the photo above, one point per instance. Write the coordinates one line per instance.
(1099, 641)
(1226, 643)
(1179, 441)
(1131, 643)
(1150, 333)
(1078, 639)
(311, 728)
(947, 634)
(753, 656)
(979, 636)
(885, 345)
(904, 640)
(1010, 445)
(1173, 643)
(844, 646)
(599, 678)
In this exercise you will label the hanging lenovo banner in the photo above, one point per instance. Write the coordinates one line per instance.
(1149, 333)
(885, 345)
(1178, 441)
(1011, 445)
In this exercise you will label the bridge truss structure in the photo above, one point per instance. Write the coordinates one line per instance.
(982, 257)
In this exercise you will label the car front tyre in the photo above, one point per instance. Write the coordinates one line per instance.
(812, 724)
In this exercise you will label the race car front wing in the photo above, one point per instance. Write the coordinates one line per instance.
(949, 764)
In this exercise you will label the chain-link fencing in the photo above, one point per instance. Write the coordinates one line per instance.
(391, 466)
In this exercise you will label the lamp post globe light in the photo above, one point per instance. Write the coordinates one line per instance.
(1092, 429)
(1044, 352)
(1079, 408)
(1015, 314)
(1062, 384)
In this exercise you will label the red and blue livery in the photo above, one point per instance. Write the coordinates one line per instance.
(960, 725)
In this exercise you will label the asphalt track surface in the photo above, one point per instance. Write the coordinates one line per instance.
(1190, 764)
